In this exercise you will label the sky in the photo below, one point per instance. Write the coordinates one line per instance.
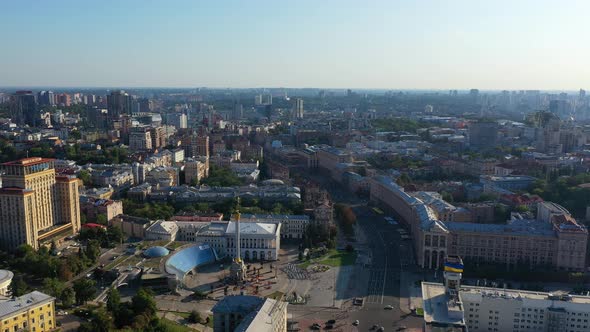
(389, 44)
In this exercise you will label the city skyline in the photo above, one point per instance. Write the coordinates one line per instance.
(403, 45)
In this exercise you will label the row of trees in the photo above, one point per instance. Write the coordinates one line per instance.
(565, 190)
(139, 314)
(107, 238)
(148, 210)
(110, 155)
(41, 264)
(222, 177)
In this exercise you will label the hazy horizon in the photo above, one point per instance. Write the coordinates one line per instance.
(386, 45)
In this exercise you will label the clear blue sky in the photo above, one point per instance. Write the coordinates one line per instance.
(440, 44)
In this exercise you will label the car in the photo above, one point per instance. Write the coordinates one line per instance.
(381, 329)
(328, 327)
(389, 307)
(356, 322)
(316, 326)
(374, 327)
(331, 321)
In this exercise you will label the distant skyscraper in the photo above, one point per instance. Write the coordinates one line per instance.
(267, 100)
(23, 109)
(63, 99)
(258, 100)
(298, 109)
(582, 94)
(118, 103)
(89, 99)
(46, 98)
(238, 112)
(474, 94)
(144, 105)
(483, 135)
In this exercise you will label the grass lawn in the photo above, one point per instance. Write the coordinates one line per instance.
(332, 258)
(419, 312)
(115, 262)
(175, 245)
(173, 326)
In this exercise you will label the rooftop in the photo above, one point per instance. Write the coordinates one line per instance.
(15, 305)
(519, 227)
(253, 228)
(28, 161)
(438, 307)
(5, 276)
(243, 304)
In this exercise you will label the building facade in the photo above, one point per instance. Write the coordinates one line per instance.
(258, 240)
(292, 226)
(31, 312)
(246, 313)
(36, 207)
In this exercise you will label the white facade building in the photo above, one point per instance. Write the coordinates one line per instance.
(292, 226)
(259, 240)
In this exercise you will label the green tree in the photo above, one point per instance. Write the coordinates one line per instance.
(93, 250)
(85, 177)
(18, 286)
(115, 235)
(84, 289)
(53, 287)
(143, 303)
(194, 317)
(101, 219)
(113, 301)
(67, 297)
(100, 322)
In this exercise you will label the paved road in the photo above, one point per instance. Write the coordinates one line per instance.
(390, 254)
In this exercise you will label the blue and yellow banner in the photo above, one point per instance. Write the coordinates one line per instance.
(453, 267)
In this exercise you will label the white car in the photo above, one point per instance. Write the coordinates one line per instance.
(356, 322)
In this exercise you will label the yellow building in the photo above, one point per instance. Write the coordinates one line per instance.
(34, 312)
(36, 206)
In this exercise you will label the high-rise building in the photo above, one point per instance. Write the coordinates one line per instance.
(89, 99)
(178, 120)
(158, 137)
(36, 206)
(196, 169)
(140, 139)
(23, 109)
(118, 103)
(46, 98)
(474, 95)
(298, 109)
(238, 112)
(258, 100)
(195, 145)
(63, 99)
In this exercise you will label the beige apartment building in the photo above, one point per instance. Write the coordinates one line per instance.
(553, 238)
(36, 206)
(196, 169)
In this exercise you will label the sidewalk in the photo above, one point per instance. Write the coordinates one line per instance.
(410, 295)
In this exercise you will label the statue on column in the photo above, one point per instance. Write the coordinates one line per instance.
(237, 269)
